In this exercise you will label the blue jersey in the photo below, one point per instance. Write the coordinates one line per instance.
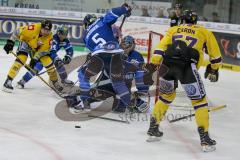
(100, 32)
(134, 55)
(137, 59)
(134, 58)
(57, 45)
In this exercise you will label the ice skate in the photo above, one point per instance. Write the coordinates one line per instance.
(67, 82)
(207, 144)
(77, 106)
(153, 131)
(57, 86)
(20, 84)
(7, 86)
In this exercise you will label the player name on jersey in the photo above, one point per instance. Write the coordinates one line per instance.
(186, 30)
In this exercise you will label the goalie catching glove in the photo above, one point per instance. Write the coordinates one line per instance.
(211, 74)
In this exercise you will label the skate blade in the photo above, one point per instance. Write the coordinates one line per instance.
(207, 148)
(7, 90)
(79, 111)
(153, 139)
(19, 86)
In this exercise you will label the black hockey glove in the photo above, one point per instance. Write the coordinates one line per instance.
(211, 74)
(150, 69)
(9, 46)
(129, 10)
(67, 59)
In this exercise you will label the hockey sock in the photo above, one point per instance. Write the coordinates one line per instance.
(202, 118)
(17, 65)
(159, 110)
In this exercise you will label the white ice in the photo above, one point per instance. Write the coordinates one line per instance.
(30, 130)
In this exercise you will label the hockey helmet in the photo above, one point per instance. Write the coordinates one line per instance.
(178, 6)
(63, 30)
(190, 17)
(127, 43)
(46, 24)
(89, 19)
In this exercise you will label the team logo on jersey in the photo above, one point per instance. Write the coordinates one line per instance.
(190, 89)
(31, 27)
(111, 46)
(166, 87)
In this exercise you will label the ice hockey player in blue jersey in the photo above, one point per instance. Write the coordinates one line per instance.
(133, 57)
(106, 54)
(60, 40)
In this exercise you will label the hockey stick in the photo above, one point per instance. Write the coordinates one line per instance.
(110, 119)
(43, 72)
(121, 25)
(191, 115)
(157, 85)
(32, 70)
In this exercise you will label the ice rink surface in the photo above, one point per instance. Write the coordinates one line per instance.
(30, 130)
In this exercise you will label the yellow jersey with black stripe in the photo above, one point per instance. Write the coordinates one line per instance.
(196, 37)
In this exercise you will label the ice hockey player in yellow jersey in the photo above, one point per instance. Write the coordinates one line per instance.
(181, 50)
(34, 41)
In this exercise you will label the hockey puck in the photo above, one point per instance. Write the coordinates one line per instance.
(77, 126)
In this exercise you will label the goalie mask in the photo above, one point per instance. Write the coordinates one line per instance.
(89, 19)
(127, 44)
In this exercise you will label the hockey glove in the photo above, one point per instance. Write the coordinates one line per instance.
(129, 10)
(9, 46)
(67, 59)
(211, 74)
(147, 77)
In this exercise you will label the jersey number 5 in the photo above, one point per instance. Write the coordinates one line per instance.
(98, 40)
(192, 41)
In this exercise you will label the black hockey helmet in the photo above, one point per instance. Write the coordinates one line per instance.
(89, 19)
(190, 16)
(178, 6)
(46, 24)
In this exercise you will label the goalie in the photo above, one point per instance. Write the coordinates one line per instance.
(34, 41)
(181, 51)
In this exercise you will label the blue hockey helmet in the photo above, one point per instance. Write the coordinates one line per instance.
(128, 43)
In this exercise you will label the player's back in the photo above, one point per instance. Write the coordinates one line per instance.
(195, 36)
(99, 33)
